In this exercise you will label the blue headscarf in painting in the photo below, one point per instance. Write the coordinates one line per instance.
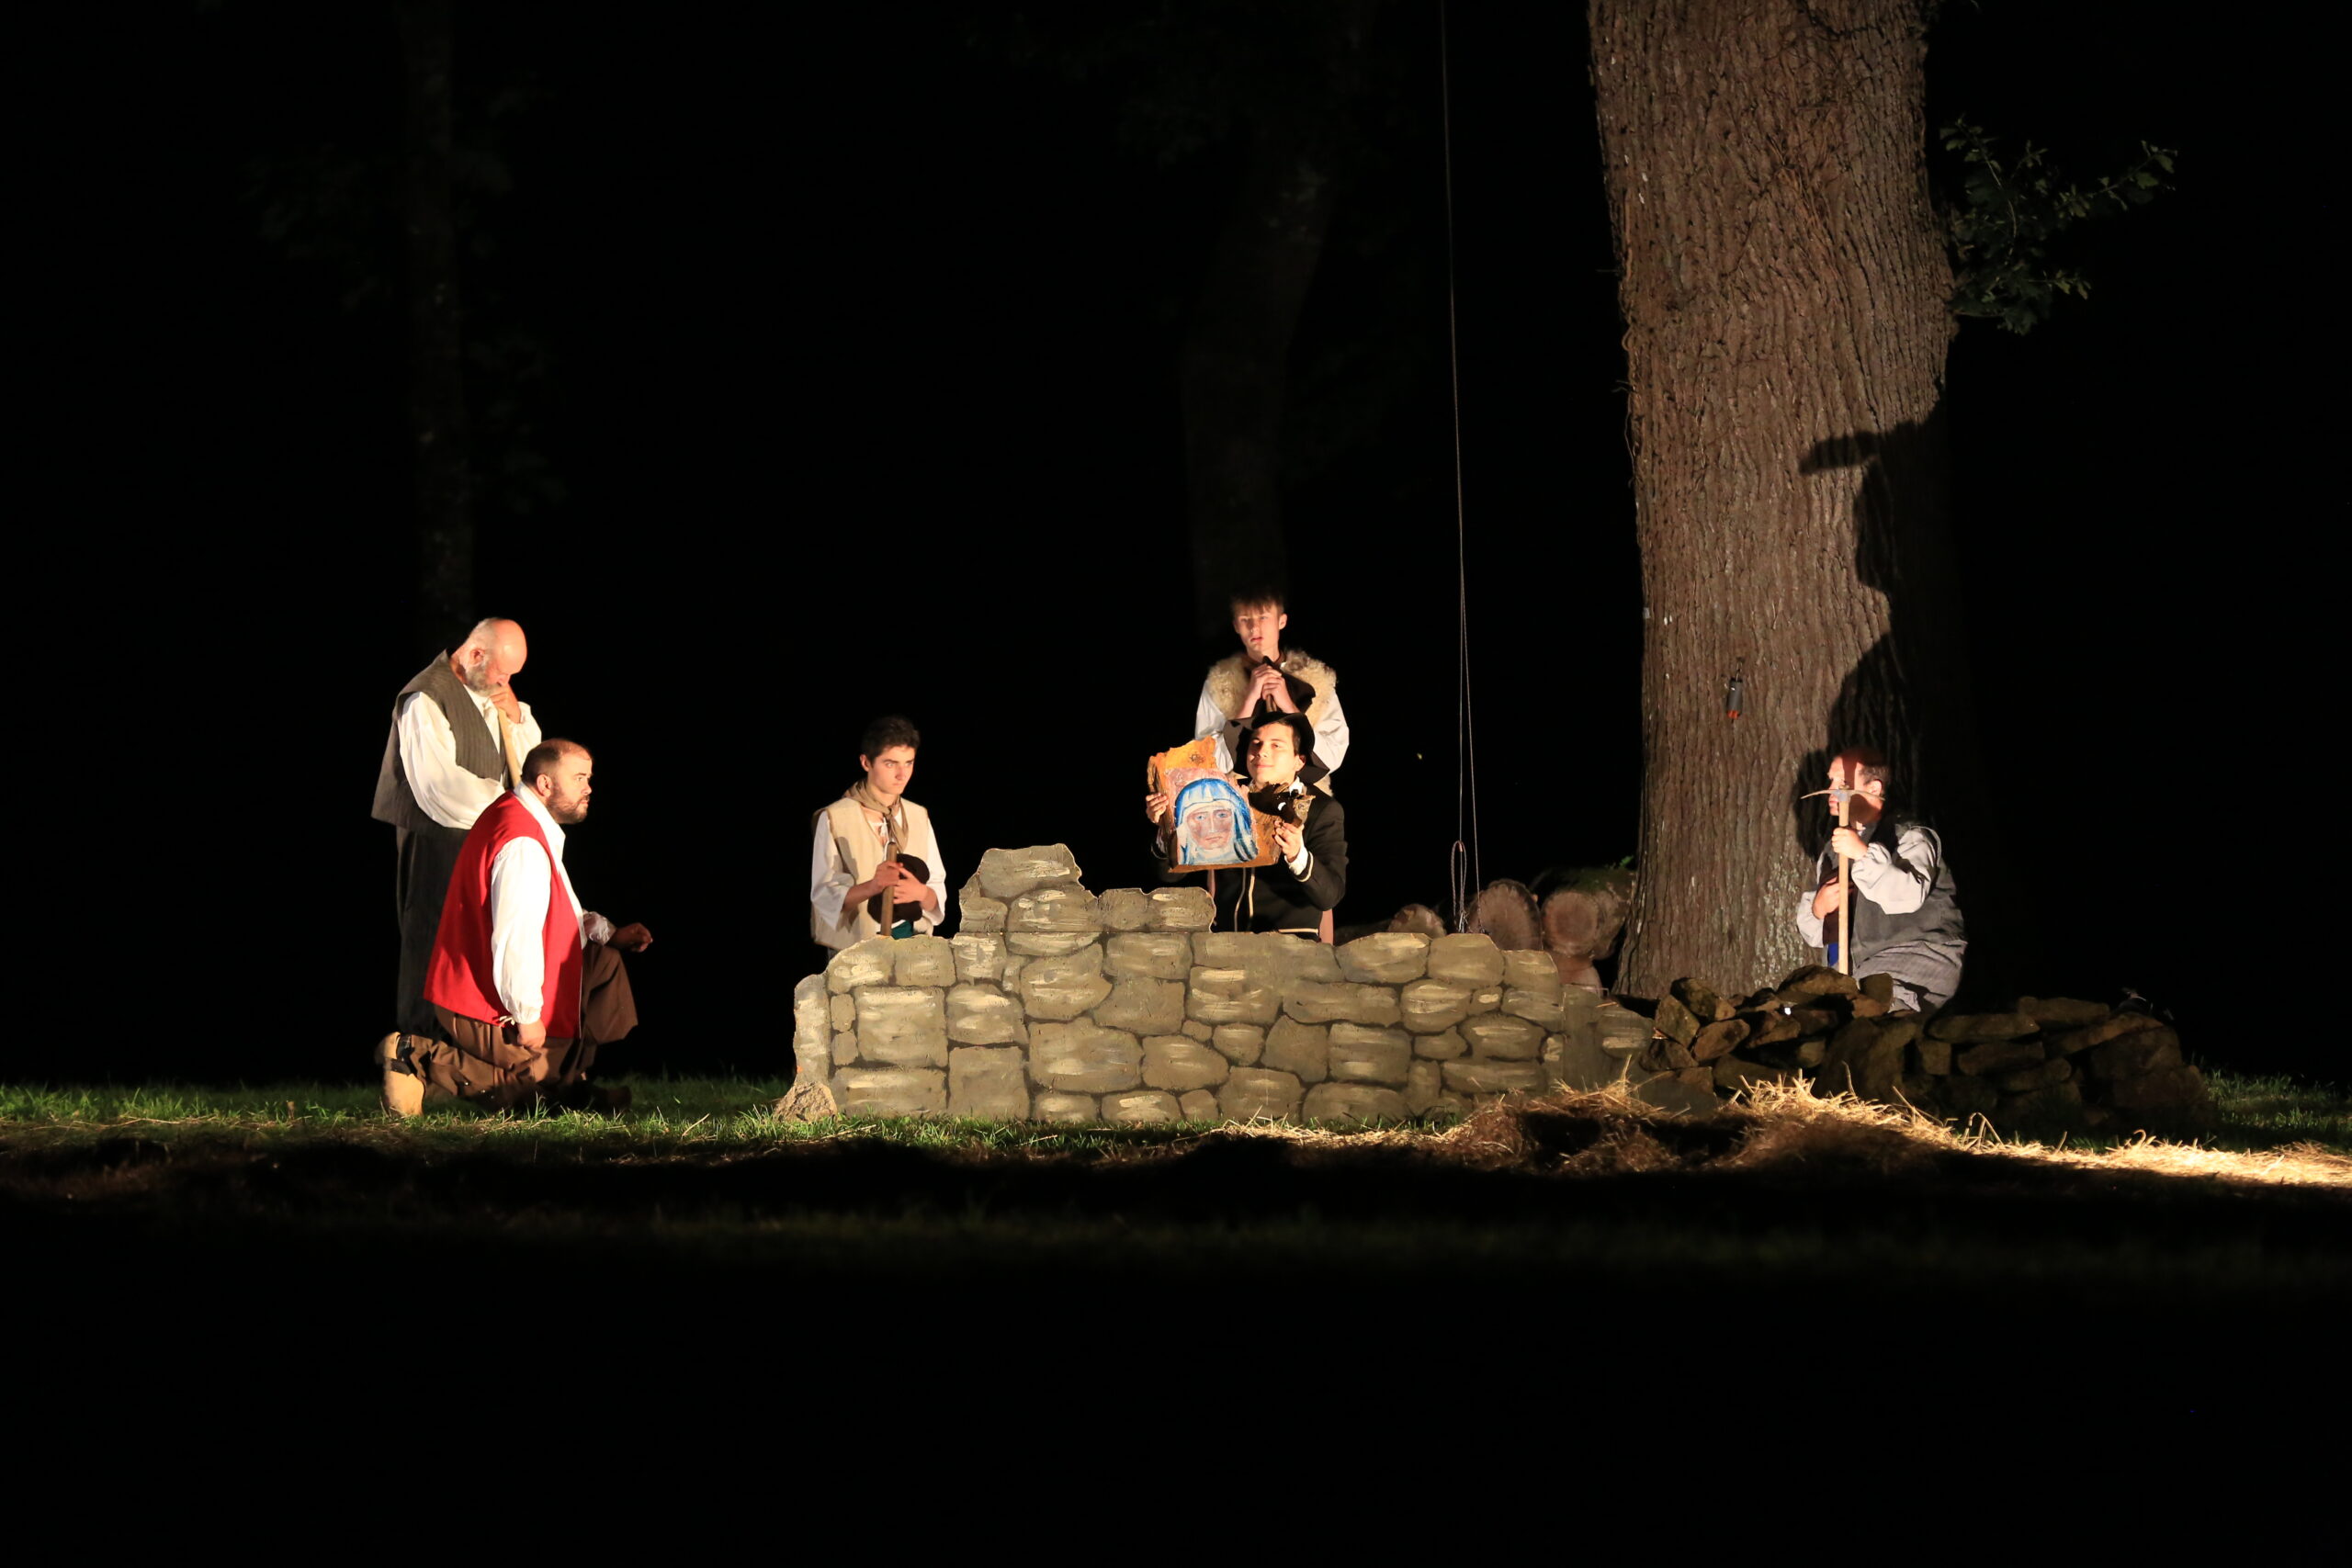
(1205, 794)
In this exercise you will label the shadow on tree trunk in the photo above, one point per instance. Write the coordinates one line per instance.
(1909, 694)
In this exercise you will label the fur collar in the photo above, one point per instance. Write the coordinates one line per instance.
(1229, 682)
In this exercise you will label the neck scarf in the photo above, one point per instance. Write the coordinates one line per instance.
(894, 815)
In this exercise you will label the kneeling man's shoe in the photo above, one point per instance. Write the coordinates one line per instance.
(403, 1090)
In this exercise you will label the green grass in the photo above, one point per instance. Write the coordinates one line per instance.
(2267, 1112)
(264, 1196)
(674, 1116)
(668, 1116)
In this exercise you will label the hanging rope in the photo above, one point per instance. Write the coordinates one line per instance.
(1462, 868)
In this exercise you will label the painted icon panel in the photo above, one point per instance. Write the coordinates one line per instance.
(1213, 823)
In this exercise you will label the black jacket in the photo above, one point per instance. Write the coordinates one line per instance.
(1269, 898)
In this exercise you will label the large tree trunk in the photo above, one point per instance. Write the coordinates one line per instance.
(1235, 367)
(436, 343)
(1783, 286)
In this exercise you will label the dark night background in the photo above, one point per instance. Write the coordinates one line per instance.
(859, 349)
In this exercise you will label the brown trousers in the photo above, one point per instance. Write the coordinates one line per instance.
(480, 1063)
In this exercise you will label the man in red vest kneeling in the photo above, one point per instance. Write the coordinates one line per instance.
(525, 982)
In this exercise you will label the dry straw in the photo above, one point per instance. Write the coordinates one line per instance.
(1787, 1125)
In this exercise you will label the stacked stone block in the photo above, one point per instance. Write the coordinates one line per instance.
(1052, 1004)
(2049, 1060)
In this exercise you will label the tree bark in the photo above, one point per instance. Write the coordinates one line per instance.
(1783, 284)
(436, 341)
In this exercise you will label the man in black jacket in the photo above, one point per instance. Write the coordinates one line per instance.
(1310, 834)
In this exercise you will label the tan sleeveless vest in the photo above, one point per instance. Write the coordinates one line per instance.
(861, 851)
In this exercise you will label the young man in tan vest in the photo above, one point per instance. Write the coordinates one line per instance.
(873, 850)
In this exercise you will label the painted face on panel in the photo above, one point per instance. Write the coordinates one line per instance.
(1209, 825)
(1214, 826)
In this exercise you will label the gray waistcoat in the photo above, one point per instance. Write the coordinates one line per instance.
(1935, 924)
(477, 753)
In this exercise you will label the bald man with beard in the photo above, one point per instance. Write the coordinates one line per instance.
(459, 738)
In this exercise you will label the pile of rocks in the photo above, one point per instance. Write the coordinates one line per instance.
(1054, 1004)
(2048, 1061)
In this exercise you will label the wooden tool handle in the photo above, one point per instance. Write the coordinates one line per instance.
(1845, 899)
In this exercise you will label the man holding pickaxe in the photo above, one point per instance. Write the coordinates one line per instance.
(1889, 873)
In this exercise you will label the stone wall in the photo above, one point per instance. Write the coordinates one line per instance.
(2047, 1061)
(1055, 1004)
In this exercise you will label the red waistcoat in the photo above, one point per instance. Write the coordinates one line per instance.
(458, 977)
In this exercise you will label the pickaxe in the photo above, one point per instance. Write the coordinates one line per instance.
(1842, 799)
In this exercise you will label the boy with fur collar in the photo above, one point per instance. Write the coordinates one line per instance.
(1265, 679)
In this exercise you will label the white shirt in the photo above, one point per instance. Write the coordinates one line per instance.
(518, 916)
(449, 794)
(829, 881)
(1330, 736)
